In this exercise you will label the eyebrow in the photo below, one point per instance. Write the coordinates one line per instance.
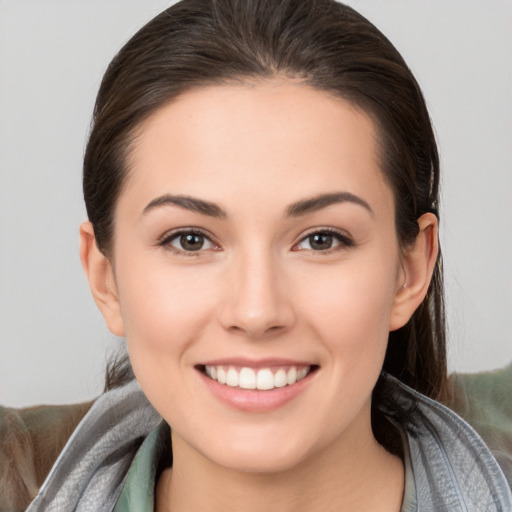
(188, 203)
(297, 209)
(322, 201)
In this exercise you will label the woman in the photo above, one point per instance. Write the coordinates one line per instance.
(261, 181)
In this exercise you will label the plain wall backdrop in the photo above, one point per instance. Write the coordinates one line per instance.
(53, 343)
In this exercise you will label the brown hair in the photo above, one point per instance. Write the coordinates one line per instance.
(322, 43)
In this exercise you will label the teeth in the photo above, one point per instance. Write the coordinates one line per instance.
(247, 378)
(232, 378)
(280, 378)
(301, 373)
(263, 379)
(291, 376)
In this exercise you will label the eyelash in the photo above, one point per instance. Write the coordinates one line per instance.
(344, 242)
(168, 238)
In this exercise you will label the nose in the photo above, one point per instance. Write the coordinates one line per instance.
(256, 301)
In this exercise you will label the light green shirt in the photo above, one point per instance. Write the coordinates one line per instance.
(114, 457)
(138, 494)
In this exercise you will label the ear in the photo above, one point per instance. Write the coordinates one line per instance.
(418, 263)
(101, 279)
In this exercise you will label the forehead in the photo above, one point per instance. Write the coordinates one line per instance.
(273, 138)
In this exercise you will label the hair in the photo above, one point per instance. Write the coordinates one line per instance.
(321, 43)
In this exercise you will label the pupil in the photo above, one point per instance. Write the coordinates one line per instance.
(191, 242)
(320, 241)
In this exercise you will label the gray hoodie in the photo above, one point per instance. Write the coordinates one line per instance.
(448, 467)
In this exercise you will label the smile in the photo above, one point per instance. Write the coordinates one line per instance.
(263, 379)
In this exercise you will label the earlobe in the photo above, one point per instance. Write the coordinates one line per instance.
(98, 270)
(418, 263)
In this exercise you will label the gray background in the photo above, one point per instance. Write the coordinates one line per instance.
(53, 344)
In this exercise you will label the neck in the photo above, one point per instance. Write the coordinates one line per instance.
(355, 473)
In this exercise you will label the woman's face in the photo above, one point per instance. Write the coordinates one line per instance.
(255, 242)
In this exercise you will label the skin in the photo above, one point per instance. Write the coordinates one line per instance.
(259, 289)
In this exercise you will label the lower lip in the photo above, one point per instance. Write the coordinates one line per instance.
(252, 400)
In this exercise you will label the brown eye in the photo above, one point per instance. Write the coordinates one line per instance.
(324, 241)
(320, 241)
(191, 242)
(187, 242)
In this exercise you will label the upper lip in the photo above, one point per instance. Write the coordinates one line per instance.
(255, 363)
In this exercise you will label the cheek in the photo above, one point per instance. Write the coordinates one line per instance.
(350, 307)
(163, 309)
(165, 313)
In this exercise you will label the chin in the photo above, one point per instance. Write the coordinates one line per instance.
(260, 452)
(263, 462)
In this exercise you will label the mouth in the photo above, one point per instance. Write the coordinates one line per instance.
(260, 379)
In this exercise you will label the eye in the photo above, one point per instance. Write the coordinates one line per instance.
(324, 240)
(188, 241)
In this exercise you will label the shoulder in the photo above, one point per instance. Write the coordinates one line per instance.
(449, 464)
(484, 400)
(30, 441)
(92, 467)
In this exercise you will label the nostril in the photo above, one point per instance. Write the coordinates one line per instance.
(256, 303)
(256, 332)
